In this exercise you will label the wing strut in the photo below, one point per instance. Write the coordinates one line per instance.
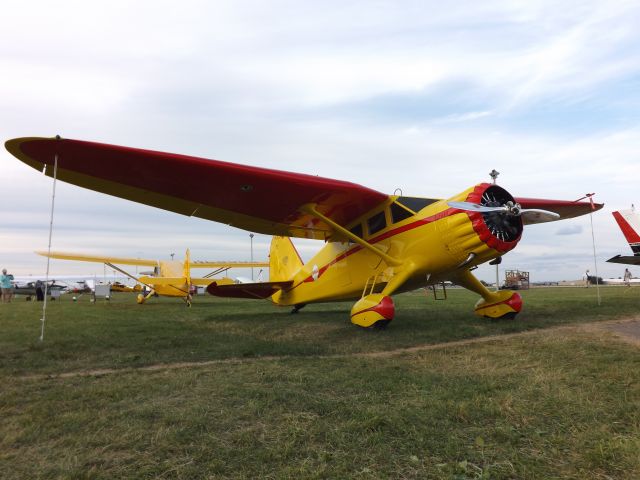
(111, 265)
(311, 210)
(215, 272)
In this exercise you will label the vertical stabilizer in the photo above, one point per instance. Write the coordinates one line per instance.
(186, 271)
(629, 222)
(284, 260)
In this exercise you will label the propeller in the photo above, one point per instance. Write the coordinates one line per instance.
(530, 215)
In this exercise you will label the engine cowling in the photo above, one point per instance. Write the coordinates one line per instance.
(499, 230)
(472, 237)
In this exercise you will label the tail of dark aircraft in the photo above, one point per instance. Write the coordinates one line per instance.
(629, 223)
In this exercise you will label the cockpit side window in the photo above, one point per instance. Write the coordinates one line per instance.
(357, 230)
(399, 213)
(377, 222)
(415, 204)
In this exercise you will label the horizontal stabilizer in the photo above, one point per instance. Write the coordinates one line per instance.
(176, 281)
(227, 264)
(247, 290)
(625, 259)
(202, 282)
(180, 281)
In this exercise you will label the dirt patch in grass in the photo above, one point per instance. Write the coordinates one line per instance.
(627, 330)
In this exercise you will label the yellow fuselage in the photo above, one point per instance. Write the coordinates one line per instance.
(433, 245)
(171, 269)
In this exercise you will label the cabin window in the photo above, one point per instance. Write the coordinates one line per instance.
(376, 223)
(357, 230)
(399, 213)
(415, 203)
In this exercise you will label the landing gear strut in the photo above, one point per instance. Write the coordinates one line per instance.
(141, 298)
(501, 304)
(297, 308)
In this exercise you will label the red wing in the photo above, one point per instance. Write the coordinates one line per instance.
(564, 208)
(252, 198)
(247, 290)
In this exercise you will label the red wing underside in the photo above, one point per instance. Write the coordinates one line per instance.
(247, 290)
(564, 208)
(252, 198)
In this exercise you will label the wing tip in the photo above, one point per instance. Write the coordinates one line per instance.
(14, 147)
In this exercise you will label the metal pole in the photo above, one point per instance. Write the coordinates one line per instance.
(593, 242)
(494, 176)
(595, 263)
(46, 282)
(251, 239)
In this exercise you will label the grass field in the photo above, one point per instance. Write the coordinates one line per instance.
(242, 389)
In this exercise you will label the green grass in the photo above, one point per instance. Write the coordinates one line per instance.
(549, 405)
(121, 333)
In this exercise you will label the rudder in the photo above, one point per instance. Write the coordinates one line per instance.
(284, 260)
(186, 269)
(629, 223)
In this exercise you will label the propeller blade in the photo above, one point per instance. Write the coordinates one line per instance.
(474, 207)
(532, 215)
(529, 216)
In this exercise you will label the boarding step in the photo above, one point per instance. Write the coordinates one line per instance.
(439, 291)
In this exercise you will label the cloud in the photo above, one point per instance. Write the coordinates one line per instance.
(570, 230)
(383, 94)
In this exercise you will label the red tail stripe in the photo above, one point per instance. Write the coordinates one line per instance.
(628, 231)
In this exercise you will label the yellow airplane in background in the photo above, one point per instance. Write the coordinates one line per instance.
(375, 244)
(170, 278)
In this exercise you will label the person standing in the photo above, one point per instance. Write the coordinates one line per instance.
(587, 279)
(627, 277)
(39, 290)
(6, 285)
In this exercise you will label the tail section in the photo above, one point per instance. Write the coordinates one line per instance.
(629, 223)
(186, 271)
(284, 260)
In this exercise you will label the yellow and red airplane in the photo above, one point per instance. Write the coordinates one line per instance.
(169, 278)
(376, 244)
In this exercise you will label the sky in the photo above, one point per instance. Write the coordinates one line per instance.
(419, 96)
